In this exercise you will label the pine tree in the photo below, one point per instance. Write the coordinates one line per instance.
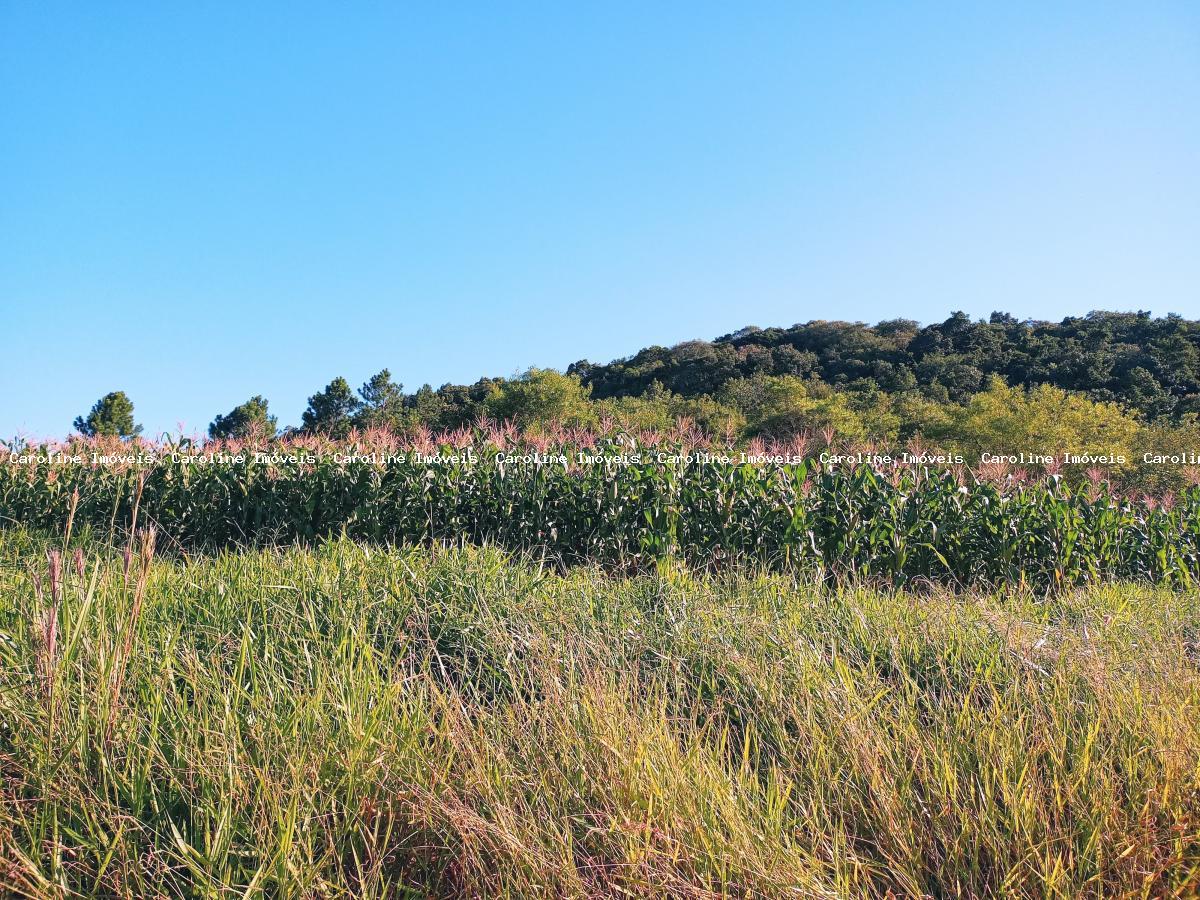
(250, 419)
(330, 412)
(111, 416)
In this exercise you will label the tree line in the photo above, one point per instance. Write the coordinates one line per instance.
(1105, 380)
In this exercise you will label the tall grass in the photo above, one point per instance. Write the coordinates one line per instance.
(354, 721)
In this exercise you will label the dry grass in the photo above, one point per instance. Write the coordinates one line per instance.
(353, 722)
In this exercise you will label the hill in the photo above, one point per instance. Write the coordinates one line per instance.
(1151, 365)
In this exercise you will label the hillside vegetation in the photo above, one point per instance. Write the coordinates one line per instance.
(889, 374)
(1147, 364)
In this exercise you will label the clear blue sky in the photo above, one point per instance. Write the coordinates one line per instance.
(204, 201)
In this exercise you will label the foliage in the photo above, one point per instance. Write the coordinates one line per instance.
(881, 383)
(347, 721)
(112, 416)
(1044, 419)
(782, 406)
(541, 397)
(1166, 440)
(331, 411)
(1149, 365)
(659, 410)
(382, 403)
(248, 420)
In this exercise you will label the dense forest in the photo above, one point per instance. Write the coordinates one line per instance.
(1148, 364)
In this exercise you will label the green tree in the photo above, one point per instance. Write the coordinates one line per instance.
(111, 416)
(709, 415)
(783, 405)
(1166, 438)
(249, 420)
(636, 413)
(331, 411)
(658, 410)
(429, 408)
(382, 403)
(542, 396)
(1044, 419)
(917, 414)
(1143, 391)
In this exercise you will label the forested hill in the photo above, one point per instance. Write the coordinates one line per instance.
(1151, 365)
(883, 382)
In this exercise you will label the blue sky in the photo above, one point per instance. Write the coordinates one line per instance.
(204, 201)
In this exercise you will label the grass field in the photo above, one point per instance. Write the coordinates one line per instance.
(349, 721)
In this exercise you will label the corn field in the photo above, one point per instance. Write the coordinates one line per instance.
(896, 527)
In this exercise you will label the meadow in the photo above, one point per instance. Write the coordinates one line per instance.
(349, 720)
